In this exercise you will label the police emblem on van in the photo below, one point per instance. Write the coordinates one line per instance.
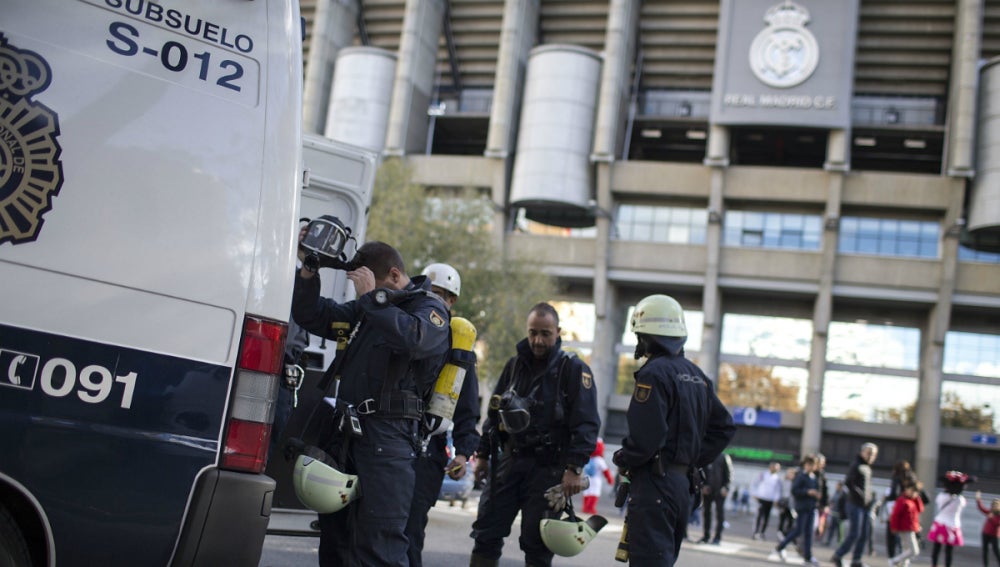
(30, 168)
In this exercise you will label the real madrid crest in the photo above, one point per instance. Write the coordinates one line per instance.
(30, 169)
(784, 54)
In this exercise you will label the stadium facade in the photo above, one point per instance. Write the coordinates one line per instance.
(817, 182)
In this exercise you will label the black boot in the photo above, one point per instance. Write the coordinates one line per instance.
(480, 561)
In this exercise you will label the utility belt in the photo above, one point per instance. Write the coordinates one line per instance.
(695, 475)
(539, 446)
(398, 404)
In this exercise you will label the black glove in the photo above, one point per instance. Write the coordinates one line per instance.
(311, 262)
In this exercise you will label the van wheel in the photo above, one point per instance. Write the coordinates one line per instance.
(13, 547)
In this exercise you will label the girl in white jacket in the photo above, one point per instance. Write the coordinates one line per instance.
(946, 531)
(767, 491)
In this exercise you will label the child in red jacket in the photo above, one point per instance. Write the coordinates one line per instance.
(905, 521)
(991, 527)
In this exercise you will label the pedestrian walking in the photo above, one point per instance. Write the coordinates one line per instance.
(904, 521)
(860, 501)
(946, 531)
(806, 493)
(991, 528)
(767, 491)
(718, 476)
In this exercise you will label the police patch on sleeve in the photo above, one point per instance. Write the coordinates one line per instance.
(642, 392)
(587, 380)
(435, 319)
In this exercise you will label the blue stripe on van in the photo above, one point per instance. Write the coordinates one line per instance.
(108, 439)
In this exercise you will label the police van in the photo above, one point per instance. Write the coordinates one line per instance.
(150, 169)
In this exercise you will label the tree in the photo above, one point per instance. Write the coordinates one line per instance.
(456, 227)
(954, 413)
(906, 415)
(750, 385)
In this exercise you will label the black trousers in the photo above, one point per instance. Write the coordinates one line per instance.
(518, 484)
(718, 502)
(429, 470)
(763, 516)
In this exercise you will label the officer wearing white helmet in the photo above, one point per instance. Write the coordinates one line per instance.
(676, 425)
(434, 462)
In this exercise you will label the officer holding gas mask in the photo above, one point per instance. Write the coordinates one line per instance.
(540, 431)
(399, 334)
(676, 425)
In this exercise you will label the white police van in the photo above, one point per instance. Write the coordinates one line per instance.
(150, 167)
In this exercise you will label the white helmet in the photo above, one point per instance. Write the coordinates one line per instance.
(320, 486)
(659, 315)
(445, 277)
(569, 536)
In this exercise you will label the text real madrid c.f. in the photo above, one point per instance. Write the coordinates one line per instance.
(802, 102)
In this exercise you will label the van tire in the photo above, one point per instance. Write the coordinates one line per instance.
(13, 547)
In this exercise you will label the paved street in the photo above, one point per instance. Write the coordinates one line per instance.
(448, 544)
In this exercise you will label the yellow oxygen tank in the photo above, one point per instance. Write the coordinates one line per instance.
(444, 398)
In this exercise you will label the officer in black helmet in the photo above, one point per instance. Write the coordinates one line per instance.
(676, 425)
(540, 431)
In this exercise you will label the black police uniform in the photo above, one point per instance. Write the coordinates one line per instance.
(562, 432)
(429, 466)
(676, 423)
(393, 351)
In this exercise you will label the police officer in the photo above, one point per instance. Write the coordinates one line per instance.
(539, 432)
(399, 335)
(676, 424)
(432, 464)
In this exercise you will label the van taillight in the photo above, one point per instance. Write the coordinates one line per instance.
(248, 430)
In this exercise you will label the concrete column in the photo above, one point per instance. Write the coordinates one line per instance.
(962, 90)
(498, 194)
(414, 84)
(619, 50)
(332, 30)
(932, 358)
(603, 361)
(812, 419)
(717, 158)
(517, 37)
(838, 149)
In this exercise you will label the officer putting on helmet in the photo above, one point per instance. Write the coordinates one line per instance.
(433, 462)
(397, 334)
(677, 425)
(539, 432)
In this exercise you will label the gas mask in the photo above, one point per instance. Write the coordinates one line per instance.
(514, 411)
(324, 244)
